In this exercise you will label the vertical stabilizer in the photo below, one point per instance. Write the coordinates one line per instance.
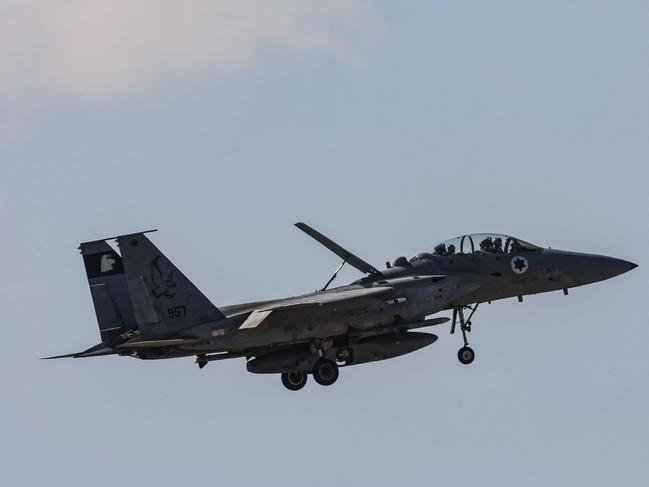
(106, 278)
(161, 288)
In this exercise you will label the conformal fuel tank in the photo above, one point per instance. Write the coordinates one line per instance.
(388, 346)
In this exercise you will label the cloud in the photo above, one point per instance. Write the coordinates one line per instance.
(99, 48)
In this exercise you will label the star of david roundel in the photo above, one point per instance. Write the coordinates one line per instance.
(519, 265)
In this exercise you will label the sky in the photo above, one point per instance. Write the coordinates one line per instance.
(387, 126)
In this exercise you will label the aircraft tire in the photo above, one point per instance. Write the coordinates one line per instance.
(325, 372)
(294, 381)
(466, 355)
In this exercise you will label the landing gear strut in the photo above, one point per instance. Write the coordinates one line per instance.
(465, 355)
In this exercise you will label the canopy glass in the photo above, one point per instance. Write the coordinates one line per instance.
(483, 243)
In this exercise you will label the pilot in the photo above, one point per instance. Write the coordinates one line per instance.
(498, 245)
(440, 249)
(487, 245)
(451, 249)
(516, 246)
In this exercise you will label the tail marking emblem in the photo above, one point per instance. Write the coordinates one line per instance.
(107, 263)
(162, 280)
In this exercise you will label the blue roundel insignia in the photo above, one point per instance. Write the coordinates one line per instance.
(519, 265)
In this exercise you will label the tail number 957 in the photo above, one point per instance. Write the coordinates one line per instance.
(177, 312)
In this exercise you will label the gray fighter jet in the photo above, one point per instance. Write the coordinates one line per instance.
(146, 308)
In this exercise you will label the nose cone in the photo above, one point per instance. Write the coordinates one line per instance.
(619, 266)
(595, 268)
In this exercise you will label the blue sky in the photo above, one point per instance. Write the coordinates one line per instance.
(387, 126)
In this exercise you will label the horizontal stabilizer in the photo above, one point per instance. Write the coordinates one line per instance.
(344, 254)
(95, 351)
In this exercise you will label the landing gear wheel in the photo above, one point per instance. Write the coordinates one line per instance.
(295, 380)
(466, 355)
(325, 372)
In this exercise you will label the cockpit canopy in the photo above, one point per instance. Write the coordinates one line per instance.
(482, 243)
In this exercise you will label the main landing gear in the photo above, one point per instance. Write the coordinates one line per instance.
(325, 373)
(465, 355)
(295, 380)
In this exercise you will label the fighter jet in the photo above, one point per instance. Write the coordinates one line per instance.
(146, 308)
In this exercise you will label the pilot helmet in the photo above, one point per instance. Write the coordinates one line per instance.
(487, 243)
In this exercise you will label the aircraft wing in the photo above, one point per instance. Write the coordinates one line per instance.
(344, 254)
(314, 300)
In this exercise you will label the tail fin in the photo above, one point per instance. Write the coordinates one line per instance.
(140, 291)
(106, 277)
(176, 301)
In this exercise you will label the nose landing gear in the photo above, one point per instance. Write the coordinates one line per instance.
(465, 355)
